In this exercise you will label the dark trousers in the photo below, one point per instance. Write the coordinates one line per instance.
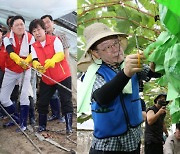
(46, 92)
(154, 148)
(93, 151)
(139, 148)
(1, 77)
(15, 93)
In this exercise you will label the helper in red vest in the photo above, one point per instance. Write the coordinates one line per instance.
(2, 62)
(3, 55)
(48, 57)
(17, 44)
(55, 102)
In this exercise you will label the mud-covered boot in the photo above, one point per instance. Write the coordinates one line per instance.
(11, 110)
(68, 119)
(24, 111)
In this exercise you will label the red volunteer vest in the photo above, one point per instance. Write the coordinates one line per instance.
(10, 64)
(61, 70)
(3, 56)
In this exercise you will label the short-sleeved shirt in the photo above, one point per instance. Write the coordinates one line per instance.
(63, 38)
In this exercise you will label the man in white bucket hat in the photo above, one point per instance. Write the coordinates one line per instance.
(115, 102)
(93, 34)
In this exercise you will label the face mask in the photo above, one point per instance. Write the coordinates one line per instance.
(162, 103)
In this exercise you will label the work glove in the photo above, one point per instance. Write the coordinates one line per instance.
(24, 64)
(50, 63)
(38, 66)
(16, 58)
(28, 59)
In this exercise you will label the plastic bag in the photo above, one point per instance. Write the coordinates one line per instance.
(170, 20)
(172, 66)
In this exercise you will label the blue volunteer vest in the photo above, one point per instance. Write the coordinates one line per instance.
(124, 112)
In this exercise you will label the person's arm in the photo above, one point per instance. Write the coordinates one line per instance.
(143, 106)
(152, 117)
(165, 129)
(169, 145)
(144, 115)
(14, 56)
(65, 44)
(58, 56)
(152, 73)
(8, 45)
(109, 91)
(35, 61)
(147, 73)
(66, 52)
(112, 89)
(58, 47)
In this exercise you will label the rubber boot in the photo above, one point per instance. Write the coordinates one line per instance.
(11, 110)
(55, 109)
(62, 119)
(2, 113)
(31, 111)
(24, 111)
(68, 119)
(42, 122)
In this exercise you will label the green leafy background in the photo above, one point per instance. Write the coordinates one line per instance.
(132, 18)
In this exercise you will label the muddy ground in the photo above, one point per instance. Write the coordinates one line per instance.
(12, 142)
(84, 139)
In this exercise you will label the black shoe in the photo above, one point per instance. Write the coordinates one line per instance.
(41, 129)
(42, 122)
(15, 116)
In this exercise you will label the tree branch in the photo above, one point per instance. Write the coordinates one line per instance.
(107, 4)
(122, 18)
(143, 37)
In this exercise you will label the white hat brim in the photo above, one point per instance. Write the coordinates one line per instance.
(103, 35)
(86, 58)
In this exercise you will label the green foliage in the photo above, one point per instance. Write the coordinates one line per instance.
(126, 18)
(131, 45)
(83, 118)
(152, 7)
(122, 26)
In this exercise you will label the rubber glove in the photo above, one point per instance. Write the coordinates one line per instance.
(16, 58)
(50, 63)
(28, 59)
(38, 66)
(24, 64)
